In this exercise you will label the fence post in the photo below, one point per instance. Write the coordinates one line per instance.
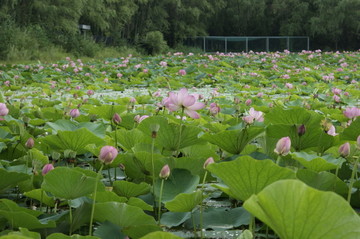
(247, 44)
(225, 44)
(204, 44)
(308, 43)
(288, 43)
(267, 44)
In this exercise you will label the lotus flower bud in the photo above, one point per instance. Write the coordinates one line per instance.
(283, 146)
(208, 161)
(3, 109)
(30, 143)
(344, 149)
(47, 168)
(248, 102)
(165, 172)
(74, 113)
(90, 92)
(108, 154)
(116, 119)
(301, 130)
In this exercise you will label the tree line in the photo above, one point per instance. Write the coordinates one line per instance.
(155, 24)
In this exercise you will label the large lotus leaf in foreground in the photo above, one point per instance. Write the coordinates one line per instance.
(245, 176)
(296, 211)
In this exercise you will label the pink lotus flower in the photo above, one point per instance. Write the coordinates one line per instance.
(331, 131)
(248, 102)
(257, 115)
(90, 92)
(248, 119)
(119, 75)
(289, 85)
(214, 109)
(344, 149)
(3, 109)
(108, 154)
(163, 63)
(336, 98)
(74, 113)
(47, 168)
(350, 113)
(208, 161)
(116, 119)
(139, 118)
(283, 146)
(183, 100)
(165, 172)
(336, 91)
(30, 143)
(182, 72)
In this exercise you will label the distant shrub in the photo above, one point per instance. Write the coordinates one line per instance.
(154, 43)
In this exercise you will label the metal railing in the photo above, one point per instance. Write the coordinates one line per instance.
(249, 43)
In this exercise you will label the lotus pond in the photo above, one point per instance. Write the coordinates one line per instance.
(257, 145)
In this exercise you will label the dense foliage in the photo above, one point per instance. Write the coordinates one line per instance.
(182, 145)
(331, 24)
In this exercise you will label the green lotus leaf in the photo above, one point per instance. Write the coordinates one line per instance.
(10, 179)
(185, 202)
(67, 183)
(168, 134)
(324, 181)
(351, 132)
(67, 125)
(233, 141)
(179, 181)
(109, 230)
(128, 138)
(221, 218)
(137, 202)
(26, 233)
(107, 111)
(107, 196)
(73, 140)
(174, 219)
(21, 217)
(160, 235)
(126, 217)
(296, 211)
(40, 195)
(130, 189)
(318, 163)
(76, 236)
(246, 176)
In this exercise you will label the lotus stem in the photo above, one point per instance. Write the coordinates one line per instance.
(152, 163)
(41, 199)
(109, 175)
(160, 197)
(180, 130)
(278, 160)
(252, 225)
(70, 217)
(94, 199)
(352, 179)
(201, 207)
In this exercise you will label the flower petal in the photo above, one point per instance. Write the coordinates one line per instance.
(196, 106)
(192, 113)
(189, 100)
